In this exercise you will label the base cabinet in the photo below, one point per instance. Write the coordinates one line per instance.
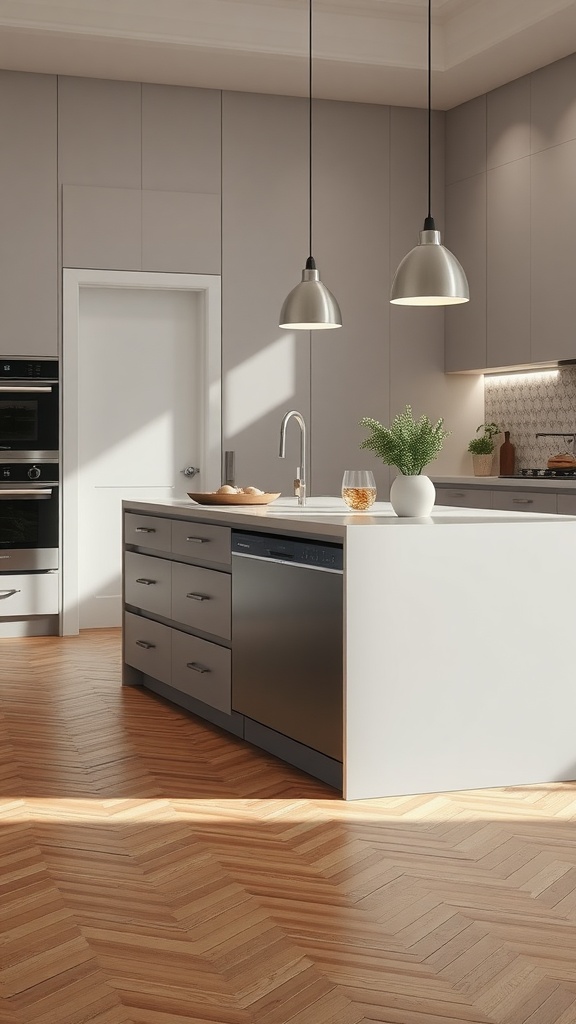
(177, 636)
(550, 502)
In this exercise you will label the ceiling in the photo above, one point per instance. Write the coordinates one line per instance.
(370, 51)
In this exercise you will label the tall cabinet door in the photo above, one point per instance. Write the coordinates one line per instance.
(28, 214)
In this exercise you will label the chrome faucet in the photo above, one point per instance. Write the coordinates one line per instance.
(300, 481)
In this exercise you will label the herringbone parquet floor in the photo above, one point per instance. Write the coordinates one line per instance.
(157, 871)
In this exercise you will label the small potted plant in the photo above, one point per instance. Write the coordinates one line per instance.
(482, 449)
(409, 445)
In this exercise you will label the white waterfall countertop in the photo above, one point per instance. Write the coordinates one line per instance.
(329, 516)
(458, 666)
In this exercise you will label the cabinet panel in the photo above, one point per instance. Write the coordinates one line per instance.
(567, 504)
(147, 532)
(508, 264)
(36, 594)
(523, 501)
(99, 131)
(148, 583)
(202, 599)
(202, 670)
(463, 497)
(28, 214)
(553, 214)
(264, 209)
(466, 140)
(466, 237)
(181, 139)
(181, 232)
(101, 228)
(554, 104)
(508, 122)
(147, 646)
(199, 540)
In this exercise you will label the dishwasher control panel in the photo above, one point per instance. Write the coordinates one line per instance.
(320, 554)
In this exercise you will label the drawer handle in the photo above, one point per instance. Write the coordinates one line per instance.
(145, 529)
(196, 667)
(8, 593)
(522, 501)
(145, 645)
(457, 494)
(197, 540)
(145, 582)
(198, 597)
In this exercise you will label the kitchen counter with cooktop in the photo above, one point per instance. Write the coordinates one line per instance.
(564, 485)
(451, 677)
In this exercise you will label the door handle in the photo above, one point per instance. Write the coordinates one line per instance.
(197, 540)
(198, 597)
(196, 667)
(190, 470)
(146, 583)
(145, 645)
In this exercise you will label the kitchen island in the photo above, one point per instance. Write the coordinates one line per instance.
(456, 635)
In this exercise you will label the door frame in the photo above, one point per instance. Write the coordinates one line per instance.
(208, 287)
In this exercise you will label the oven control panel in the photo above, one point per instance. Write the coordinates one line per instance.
(29, 369)
(24, 472)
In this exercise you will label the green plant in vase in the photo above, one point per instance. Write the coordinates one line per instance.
(485, 444)
(409, 445)
(482, 448)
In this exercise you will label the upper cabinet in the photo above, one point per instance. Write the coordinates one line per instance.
(526, 311)
(140, 169)
(28, 214)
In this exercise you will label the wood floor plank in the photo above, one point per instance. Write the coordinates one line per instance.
(155, 870)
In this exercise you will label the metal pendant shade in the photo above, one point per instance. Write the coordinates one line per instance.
(310, 306)
(429, 275)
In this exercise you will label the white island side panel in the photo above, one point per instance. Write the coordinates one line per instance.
(459, 662)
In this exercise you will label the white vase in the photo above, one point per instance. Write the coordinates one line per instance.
(412, 495)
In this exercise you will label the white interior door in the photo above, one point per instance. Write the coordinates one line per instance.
(140, 417)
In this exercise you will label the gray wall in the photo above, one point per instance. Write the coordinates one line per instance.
(163, 178)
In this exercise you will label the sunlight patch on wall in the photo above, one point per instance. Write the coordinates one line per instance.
(259, 385)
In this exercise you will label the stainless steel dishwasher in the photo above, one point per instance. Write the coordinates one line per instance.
(287, 641)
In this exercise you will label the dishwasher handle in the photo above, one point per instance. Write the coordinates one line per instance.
(277, 560)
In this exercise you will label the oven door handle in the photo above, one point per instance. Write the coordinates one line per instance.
(24, 389)
(30, 494)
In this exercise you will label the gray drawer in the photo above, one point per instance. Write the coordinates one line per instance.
(463, 497)
(197, 540)
(523, 501)
(147, 531)
(202, 670)
(147, 646)
(202, 598)
(147, 583)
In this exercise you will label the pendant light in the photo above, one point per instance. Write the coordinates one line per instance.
(429, 275)
(310, 306)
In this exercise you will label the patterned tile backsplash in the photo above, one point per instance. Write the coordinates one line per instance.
(526, 403)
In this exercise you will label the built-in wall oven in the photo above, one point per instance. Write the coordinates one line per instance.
(29, 408)
(29, 503)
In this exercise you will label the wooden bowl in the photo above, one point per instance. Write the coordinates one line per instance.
(213, 498)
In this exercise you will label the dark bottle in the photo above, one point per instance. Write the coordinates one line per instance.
(507, 456)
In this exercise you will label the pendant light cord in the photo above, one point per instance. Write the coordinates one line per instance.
(429, 108)
(310, 126)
